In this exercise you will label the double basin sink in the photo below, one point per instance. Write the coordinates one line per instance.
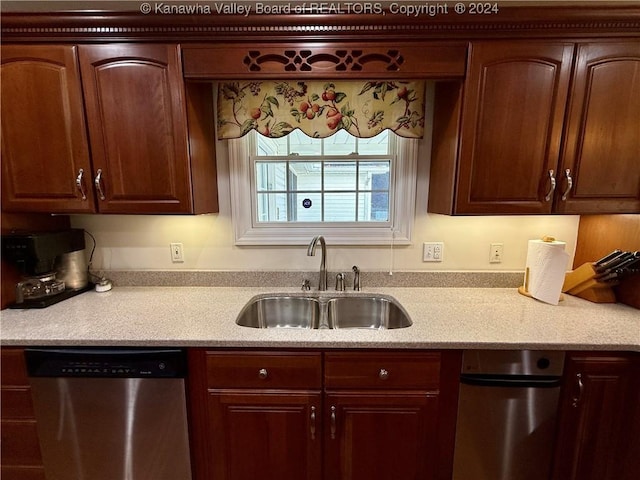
(379, 312)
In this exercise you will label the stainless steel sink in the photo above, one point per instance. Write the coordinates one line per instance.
(339, 312)
(371, 312)
(280, 312)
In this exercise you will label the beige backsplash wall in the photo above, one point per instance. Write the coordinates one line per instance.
(142, 242)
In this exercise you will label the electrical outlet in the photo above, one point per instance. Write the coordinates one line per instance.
(433, 252)
(497, 249)
(177, 255)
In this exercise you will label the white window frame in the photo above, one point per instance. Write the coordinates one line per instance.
(397, 232)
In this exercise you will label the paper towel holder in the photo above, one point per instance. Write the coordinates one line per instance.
(524, 289)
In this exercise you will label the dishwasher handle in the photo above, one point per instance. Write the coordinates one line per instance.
(511, 381)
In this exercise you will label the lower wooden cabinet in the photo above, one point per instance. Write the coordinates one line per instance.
(380, 435)
(332, 416)
(19, 448)
(270, 436)
(599, 420)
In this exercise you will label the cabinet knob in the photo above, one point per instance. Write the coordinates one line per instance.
(565, 194)
(383, 374)
(552, 188)
(80, 184)
(262, 373)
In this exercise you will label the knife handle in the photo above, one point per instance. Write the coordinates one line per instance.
(608, 257)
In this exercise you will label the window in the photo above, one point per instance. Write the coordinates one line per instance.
(354, 191)
(337, 179)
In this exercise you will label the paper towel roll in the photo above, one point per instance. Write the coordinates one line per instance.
(545, 270)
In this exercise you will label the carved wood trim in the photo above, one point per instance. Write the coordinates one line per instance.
(287, 60)
(512, 21)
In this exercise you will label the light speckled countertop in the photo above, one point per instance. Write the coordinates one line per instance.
(497, 318)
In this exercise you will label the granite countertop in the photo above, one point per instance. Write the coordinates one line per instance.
(450, 318)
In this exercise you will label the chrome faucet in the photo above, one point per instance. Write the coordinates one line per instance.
(356, 278)
(311, 251)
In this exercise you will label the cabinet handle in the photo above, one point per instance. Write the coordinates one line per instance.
(578, 397)
(552, 179)
(313, 423)
(567, 172)
(384, 374)
(80, 183)
(263, 374)
(98, 184)
(333, 422)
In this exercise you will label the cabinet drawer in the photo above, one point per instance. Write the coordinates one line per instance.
(13, 367)
(19, 443)
(11, 472)
(16, 404)
(382, 370)
(264, 370)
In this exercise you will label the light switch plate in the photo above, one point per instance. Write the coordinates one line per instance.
(177, 255)
(433, 252)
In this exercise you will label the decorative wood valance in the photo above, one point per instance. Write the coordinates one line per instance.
(320, 108)
(398, 60)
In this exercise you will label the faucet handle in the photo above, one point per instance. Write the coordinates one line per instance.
(340, 282)
(305, 285)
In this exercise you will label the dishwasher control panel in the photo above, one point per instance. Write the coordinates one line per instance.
(513, 362)
(106, 363)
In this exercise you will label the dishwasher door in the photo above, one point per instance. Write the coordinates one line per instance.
(507, 417)
(102, 428)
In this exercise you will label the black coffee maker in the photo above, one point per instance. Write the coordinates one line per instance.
(42, 258)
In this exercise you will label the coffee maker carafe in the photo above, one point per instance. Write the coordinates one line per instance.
(52, 264)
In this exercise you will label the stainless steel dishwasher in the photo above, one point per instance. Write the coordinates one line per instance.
(507, 414)
(111, 414)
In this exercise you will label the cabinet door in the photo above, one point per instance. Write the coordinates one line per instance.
(134, 97)
(602, 145)
(513, 111)
(265, 435)
(44, 144)
(598, 422)
(380, 436)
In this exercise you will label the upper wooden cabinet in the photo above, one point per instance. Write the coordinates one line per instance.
(138, 110)
(527, 135)
(44, 140)
(602, 141)
(135, 110)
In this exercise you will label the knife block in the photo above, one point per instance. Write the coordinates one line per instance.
(581, 283)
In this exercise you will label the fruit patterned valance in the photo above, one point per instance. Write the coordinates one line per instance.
(321, 108)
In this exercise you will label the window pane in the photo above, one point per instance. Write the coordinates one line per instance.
(340, 207)
(340, 143)
(270, 146)
(373, 207)
(374, 175)
(271, 207)
(340, 176)
(302, 144)
(378, 145)
(271, 176)
(306, 207)
(305, 176)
